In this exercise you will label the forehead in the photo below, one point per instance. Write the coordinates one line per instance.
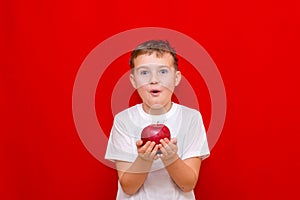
(165, 59)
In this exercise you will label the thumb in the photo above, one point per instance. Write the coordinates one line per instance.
(174, 140)
(139, 143)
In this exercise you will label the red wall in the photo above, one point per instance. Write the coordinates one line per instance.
(254, 44)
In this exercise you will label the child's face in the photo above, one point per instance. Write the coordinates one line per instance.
(155, 79)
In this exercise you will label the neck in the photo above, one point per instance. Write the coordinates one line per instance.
(157, 109)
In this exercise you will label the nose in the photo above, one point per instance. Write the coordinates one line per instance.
(153, 79)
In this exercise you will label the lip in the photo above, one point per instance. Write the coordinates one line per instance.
(155, 92)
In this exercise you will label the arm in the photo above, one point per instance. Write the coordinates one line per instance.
(133, 175)
(183, 172)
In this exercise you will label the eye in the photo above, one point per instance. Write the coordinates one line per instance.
(163, 71)
(144, 72)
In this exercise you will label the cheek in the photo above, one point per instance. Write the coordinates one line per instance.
(142, 89)
(168, 83)
(141, 84)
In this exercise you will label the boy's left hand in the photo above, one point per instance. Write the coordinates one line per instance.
(168, 150)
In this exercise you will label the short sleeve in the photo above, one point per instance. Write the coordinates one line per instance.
(195, 142)
(121, 145)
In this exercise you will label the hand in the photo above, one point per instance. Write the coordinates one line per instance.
(168, 150)
(147, 152)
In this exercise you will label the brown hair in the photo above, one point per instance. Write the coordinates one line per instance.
(160, 47)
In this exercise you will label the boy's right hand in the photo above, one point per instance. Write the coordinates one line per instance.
(147, 152)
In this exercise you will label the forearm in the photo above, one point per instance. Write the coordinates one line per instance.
(132, 178)
(182, 174)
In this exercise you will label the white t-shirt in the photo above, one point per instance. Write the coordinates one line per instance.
(184, 123)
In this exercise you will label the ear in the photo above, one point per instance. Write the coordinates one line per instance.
(132, 80)
(177, 78)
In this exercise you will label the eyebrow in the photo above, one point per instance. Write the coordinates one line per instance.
(151, 64)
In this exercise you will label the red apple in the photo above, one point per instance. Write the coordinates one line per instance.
(155, 132)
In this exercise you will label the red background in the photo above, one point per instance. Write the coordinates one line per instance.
(254, 44)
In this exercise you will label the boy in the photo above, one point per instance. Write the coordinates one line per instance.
(168, 170)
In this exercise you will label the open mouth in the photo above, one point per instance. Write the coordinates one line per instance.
(154, 92)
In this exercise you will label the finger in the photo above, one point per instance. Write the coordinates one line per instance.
(143, 148)
(163, 142)
(150, 147)
(167, 140)
(169, 148)
(139, 143)
(153, 152)
(157, 156)
(163, 151)
(166, 144)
